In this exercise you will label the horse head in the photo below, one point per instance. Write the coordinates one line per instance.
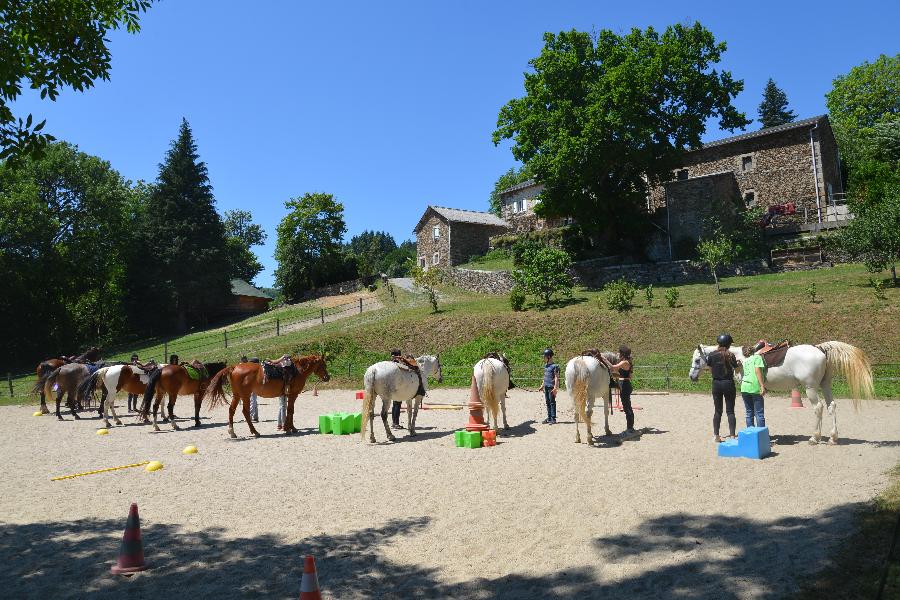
(315, 364)
(698, 363)
(430, 365)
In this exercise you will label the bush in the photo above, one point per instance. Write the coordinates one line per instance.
(495, 254)
(619, 294)
(672, 297)
(648, 292)
(811, 292)
(543, 271)
(517, 298)
(877, 288)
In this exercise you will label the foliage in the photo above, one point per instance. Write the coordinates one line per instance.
(188, 277)
(570, 238)
(517, 298)
(619, 294)
(715, 252)
(51, 46)
(773, 110)
(672, 297)
(543, 271)
(396, 263)
(812, 293)
(606, 117)
(506, 181)
(241, 234)
(874, 233)
(370, 249)
(428, 280)
(858, 101)
(877, 288)
(648, 293)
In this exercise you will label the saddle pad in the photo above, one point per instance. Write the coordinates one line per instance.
(775, 356)
(193, 373)
(273, 371)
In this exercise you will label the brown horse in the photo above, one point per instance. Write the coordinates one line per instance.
(173, 380)
(116, 378)
(46, 367)
(247, 378)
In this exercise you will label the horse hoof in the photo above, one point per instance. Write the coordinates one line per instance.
(118, 422)
(175, 426)
(197, 424)
(833, 442)
(412, 434)
(256, 434)
(392, 439)
(232, 435)
(45, 411)
(813, 441)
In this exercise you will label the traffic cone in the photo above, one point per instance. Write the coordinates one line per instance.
(131, 553)
(309, 582)
(796, 402)
(315, 390)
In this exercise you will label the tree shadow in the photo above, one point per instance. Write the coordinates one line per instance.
(733, 289)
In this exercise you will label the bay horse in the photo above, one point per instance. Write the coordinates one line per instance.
(387, 380)
(247, 378)
(587, 378)
(116, 378)
(46, 367)
(67, 380)
(813, 368)
(492, 380)
(172, 381)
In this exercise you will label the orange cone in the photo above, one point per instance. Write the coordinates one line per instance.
(796, 402)
(131, 553)
(309, 582)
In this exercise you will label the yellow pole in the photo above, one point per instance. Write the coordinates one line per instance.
(140, 464)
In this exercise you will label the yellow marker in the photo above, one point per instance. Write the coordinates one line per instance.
(103, 432)
(140, 464)
(37, 414)
(153, 465)
(190, 450)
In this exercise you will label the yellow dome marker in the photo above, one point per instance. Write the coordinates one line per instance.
(37, 414)
(190, 450)
(153, 465)
(103, 432)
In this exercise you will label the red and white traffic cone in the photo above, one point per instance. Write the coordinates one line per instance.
(315, 390)
(131, 553)
(309, 582)
(796, 402)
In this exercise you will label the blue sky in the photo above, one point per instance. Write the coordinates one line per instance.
(390, 105)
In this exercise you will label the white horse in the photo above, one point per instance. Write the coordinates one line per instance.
(110, 376)
(387, 380)
(492, 380)
(813, 368)
(587, 378)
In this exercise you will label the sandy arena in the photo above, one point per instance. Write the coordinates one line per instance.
(537, 516)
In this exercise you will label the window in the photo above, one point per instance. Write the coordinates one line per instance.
(436, 231)
(681, 174)
(422, 262)
(750, 198)
(747, 163)
(435, 259)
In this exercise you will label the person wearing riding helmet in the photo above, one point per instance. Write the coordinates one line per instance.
(550, 386)
(624, 368)
(132, 398)
(753, 386)
(722, 364)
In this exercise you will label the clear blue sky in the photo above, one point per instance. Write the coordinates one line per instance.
(390, 105)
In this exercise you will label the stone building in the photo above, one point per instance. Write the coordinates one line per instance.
(517, 208)
(450, 236)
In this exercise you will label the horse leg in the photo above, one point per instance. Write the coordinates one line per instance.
(589, 412)
(231, 408)
(384, 410)
(172, 398)
(813, 396)
(44, 409)
(59, 395)
(71, 403)
(606, 429)
(245, 409)
(370, 419)
(832, 410)
(112, 407)
(103, 399)
(417, 402)
(410, 422)
(577, 432)
(156, 403)
(503, 410)
(198, 399)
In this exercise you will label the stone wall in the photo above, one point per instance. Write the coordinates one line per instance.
(427, 246)
(483, 282)
(336, 289)
(470, 239)
(693, 201)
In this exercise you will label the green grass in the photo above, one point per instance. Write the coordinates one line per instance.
(467, 325)
(495, 260)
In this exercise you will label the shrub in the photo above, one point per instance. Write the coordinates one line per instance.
(811, 292)
(543, 271)
(428, 281)
(619, 294)
(517, 298)
(648, 292)
(715, 252)
(877, 288)
(672, 297)
(495, 254)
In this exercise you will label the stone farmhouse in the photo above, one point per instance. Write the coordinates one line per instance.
(446, 237)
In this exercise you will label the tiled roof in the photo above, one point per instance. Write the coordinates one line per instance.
(762, 132)
(239, 287)
(520, 186)
(458, 215)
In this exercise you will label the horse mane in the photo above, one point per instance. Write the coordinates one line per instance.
(214, 367)
(304, 362)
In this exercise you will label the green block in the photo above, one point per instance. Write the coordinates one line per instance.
(324, 423)
(357, 422)
(468, 439)
(342, 423)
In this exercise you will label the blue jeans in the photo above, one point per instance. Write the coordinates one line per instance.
(254, 407)
(550, 399)
(754, 405)
(282, 410)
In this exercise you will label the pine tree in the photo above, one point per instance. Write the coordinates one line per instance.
(773, 109)
(184, 237)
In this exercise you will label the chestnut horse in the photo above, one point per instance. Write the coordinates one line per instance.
(173, 380)
(117, 378)
(51, 364)
(247, 378)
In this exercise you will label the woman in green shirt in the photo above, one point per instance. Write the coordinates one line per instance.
(753, 387)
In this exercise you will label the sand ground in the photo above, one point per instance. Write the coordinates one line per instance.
(537, 516)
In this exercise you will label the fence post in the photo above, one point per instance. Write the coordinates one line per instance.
(277, 326)
(360, 305)
(322, 314)
(225, 335)
(9, 381)
(393, 296)
(667, 377)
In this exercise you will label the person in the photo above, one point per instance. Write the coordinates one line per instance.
(624, 368)
(722, 364)
(397, 405)
(133, 398)
(753, 386)
(550, 386)
(254, 405)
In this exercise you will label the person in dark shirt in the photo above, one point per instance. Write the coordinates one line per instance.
(722, 364)
(623, 369)
(550, 386)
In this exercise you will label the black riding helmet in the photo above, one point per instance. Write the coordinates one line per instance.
(396, 352)
(548, 352)
(725, 340)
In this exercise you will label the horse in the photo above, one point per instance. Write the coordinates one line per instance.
(247, 378)
(492, 380)
(173, 380)
(67, 378)
(46, 367)
(587, 378)
(115, 378)
(813, 368)
(388, 380)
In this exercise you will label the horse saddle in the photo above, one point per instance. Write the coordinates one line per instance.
(773, 356)
(92, 367)
(279, 370)
(408, 363)
(505, 361)
(195, 370)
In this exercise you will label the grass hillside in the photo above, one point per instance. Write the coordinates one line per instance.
(467, 325)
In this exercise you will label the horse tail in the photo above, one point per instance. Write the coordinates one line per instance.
(87, 387)
(487, 386)
(852, 363)
(153, 380)
(49, 381)
(215, 391)
(580, 391)
(43, 372)
(368, 400)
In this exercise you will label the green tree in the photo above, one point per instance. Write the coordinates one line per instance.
(309, 247)
(242, 234)
(397, 262)
(507, 180)
(51, 46)
(543, 271)
(858, 101)
(428, 280)
(186, 251)
(604, 119)
(370, 249)
(715, 252)
(874, 233)
(773, 110)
